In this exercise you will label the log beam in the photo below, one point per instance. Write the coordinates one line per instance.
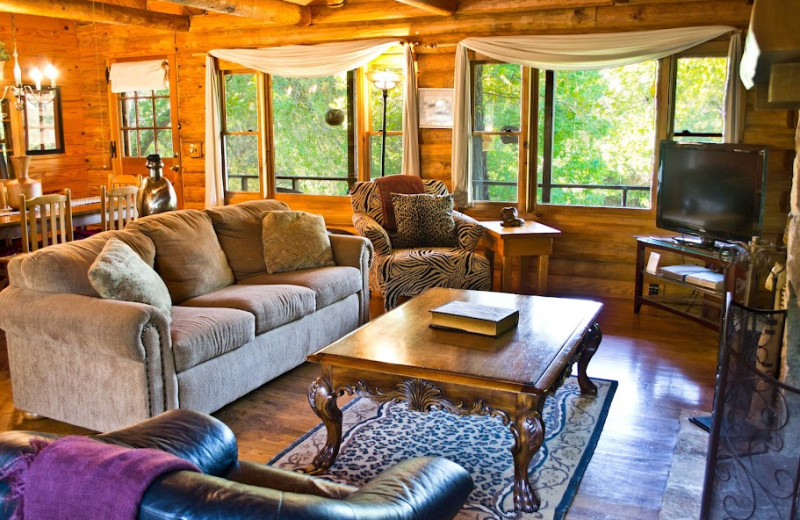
(440, 7)
(273, 11)
(85, 10)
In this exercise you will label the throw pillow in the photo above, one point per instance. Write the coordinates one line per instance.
(119, 273)
(424, 220)
(395, 184)
(295, 240)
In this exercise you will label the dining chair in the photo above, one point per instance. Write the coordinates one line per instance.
(48, 215)
(117, 207)
(116, 181)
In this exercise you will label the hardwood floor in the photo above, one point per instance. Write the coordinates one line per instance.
(663, 364)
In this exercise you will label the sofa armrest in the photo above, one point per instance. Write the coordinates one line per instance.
(468, 231)
(355, 251)
(366, 226)
(51, 334)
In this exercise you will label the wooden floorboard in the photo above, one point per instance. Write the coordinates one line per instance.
(663, 364)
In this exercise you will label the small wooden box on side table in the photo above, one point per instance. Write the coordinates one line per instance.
(525, 241)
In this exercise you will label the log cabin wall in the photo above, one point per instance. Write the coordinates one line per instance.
(596, 252)
(49, 39)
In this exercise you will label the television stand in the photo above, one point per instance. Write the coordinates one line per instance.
(700, 304)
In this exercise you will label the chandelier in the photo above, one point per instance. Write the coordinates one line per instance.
(21, 92)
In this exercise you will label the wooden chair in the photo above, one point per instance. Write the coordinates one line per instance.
(117, 207)
(48, 215)
(117, 181)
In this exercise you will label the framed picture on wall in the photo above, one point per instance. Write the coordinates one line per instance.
(435, 108)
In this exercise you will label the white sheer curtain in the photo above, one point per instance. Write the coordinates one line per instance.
(296, 61)
(557, 52)
(411, 165)
(733, 122)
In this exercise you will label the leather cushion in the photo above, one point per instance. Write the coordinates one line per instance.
(330, 284)
(199, 334)
(272, 305)
(188, 255)
(238, 229)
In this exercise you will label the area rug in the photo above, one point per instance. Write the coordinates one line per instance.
(681, 499)
(380, 435)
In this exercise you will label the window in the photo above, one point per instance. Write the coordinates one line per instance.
(146, 123)
(312, 152)
(699, 99)
(597, 136)
(497, 126)
(302, 135)
(43, 131)
(240, 132)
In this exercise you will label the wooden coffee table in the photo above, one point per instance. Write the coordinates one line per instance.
(399, 357)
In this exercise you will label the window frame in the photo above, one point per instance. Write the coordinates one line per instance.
(57, 127)
(124, 129)
(666, 69)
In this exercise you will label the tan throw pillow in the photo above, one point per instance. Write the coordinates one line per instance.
(424, 220)
(119, 273)
(295, 240)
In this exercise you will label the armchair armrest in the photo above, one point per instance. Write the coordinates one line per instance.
(468, 231)
(366, 226)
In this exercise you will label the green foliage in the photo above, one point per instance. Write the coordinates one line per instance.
(699, 95)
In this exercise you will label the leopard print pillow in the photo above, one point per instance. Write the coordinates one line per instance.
(424, 220)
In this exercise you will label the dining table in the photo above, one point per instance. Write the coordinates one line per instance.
(85, 212)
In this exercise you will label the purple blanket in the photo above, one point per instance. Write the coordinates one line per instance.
(81, 478)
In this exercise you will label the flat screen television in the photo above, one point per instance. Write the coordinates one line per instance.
(712, 191)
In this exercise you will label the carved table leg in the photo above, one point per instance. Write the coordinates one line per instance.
(323, 400)
(528, 431)
(590, 344)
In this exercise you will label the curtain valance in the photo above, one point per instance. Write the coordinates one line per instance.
(129, 76)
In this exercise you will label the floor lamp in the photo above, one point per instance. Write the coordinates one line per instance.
(385, 80)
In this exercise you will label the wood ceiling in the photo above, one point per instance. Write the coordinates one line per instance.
(176, 14)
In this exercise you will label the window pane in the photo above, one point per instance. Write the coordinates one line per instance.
(394, 155)
(241, 113)
(309, 151)
(144, 108)
(147, 142)
(131, 144)
(495, 163)
(241, 162)
(165, 143)
(497, 88)
(603, 136)
(699, 97)
(128, 113)
(162, 112)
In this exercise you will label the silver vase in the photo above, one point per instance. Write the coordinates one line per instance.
(156, 194)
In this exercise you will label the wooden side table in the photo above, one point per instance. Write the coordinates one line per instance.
(530, 239)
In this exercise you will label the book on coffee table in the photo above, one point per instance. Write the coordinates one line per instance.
(474, 317)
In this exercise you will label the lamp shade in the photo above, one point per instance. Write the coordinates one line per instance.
(384, 79)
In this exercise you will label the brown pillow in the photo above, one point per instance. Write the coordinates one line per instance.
(424, 220)
(188, 256)
(295, 240)
(396, 184)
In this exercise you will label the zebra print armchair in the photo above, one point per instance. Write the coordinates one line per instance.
(408, 271)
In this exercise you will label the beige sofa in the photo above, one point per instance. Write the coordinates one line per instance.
(105, 364)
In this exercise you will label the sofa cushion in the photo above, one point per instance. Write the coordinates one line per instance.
(238, 228)
(119, 273)
(199, 334)
(188, 255)
(330, 284)
(396, 184)
(272, 305)
(295, 240)
(64, 268)
(424, 220)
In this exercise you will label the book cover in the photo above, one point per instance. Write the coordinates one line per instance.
(708, 279)
(680, 272)
(474, 317)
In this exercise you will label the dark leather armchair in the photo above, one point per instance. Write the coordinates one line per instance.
(417, 489)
